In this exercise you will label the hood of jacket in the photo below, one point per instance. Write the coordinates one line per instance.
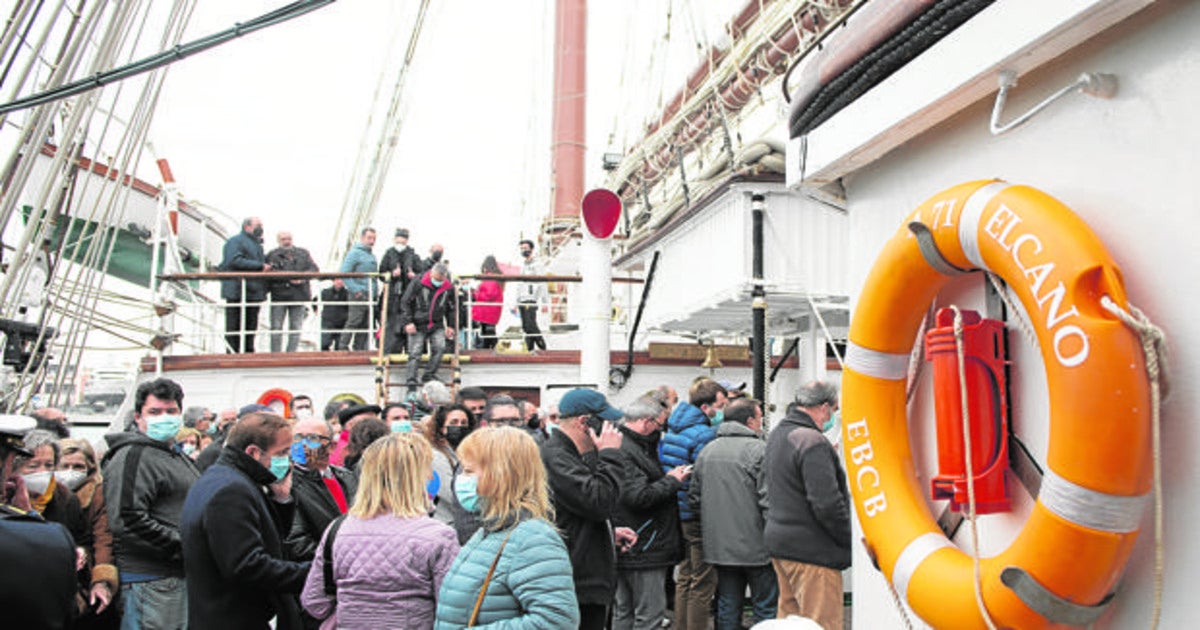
(736, 429)
(118, 441)
(685, 416)
(795, 416)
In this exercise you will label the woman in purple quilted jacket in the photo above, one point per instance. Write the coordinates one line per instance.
(389, 556)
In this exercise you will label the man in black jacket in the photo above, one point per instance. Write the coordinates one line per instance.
(243, 252)
(321, 491)
(427, 314)
(234, 523)
(808, 517)
(647, 506)
(289, 298)
(402, 265)
(584, 490)
(145, 484)
(335, 310)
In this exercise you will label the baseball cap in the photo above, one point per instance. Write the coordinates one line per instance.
(731, 386)
(581, 402)
(252, 408)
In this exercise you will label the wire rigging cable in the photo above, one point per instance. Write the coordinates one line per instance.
(370, 186)
(182, 51)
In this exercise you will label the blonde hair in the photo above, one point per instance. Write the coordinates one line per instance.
(395, 470)
(70, 446)
(512, 479)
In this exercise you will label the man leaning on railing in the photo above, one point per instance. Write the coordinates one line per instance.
(243, 252)
(289, 298)
(362, 292)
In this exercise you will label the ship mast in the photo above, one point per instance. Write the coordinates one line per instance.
(569, 145)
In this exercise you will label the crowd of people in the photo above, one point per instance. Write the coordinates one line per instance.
(446, 511)
(420, 309)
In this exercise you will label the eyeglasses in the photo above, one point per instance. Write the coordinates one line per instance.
(510, 420)
(312, 440)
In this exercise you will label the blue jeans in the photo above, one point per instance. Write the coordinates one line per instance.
(155, 605)
(731, 594)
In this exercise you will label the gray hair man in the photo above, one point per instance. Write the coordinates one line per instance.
(646, 504)
(808, 519)
(321, 490)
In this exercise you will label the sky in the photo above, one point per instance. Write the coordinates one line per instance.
(271, 124)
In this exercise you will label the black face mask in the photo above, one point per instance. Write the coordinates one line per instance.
(436, 256)
(526, 253)
(455, 435)
(258, 232)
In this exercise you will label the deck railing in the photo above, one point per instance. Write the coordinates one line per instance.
(205, 330)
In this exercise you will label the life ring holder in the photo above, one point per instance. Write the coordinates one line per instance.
(1065, 562)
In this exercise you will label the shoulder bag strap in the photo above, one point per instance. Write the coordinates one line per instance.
(327, 555)
(488, 579)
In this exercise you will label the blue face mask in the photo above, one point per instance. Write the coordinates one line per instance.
(401, 426)
(717, 418)
(298, 454)
(832, 421)
(280, 466)
(163, 428)
(212, 428)
(436, 283)
(464, 490)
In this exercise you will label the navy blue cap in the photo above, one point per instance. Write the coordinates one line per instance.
(251, 408)
(583, 402)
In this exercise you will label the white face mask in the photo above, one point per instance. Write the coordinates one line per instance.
(72, 479)
(302, 414)
(37, 482)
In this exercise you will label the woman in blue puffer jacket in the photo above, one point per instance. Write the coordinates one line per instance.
(531, 587)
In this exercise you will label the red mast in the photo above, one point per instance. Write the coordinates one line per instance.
(569, 140)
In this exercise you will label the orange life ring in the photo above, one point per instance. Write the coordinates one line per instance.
(278, 397)
(1098, 475)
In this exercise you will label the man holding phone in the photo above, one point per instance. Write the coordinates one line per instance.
(585, 492)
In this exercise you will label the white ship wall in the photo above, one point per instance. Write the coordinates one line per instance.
(708, 262)
(1129, 167)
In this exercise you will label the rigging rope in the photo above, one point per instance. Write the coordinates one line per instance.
(970, 466)
(166, 57)
(1154, 347)
(363, 208)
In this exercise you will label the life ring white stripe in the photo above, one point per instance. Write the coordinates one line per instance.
(968, 221)
(913, 555)
(885, 365)
(1088, 508)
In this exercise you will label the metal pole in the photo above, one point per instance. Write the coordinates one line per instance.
(759, 303)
